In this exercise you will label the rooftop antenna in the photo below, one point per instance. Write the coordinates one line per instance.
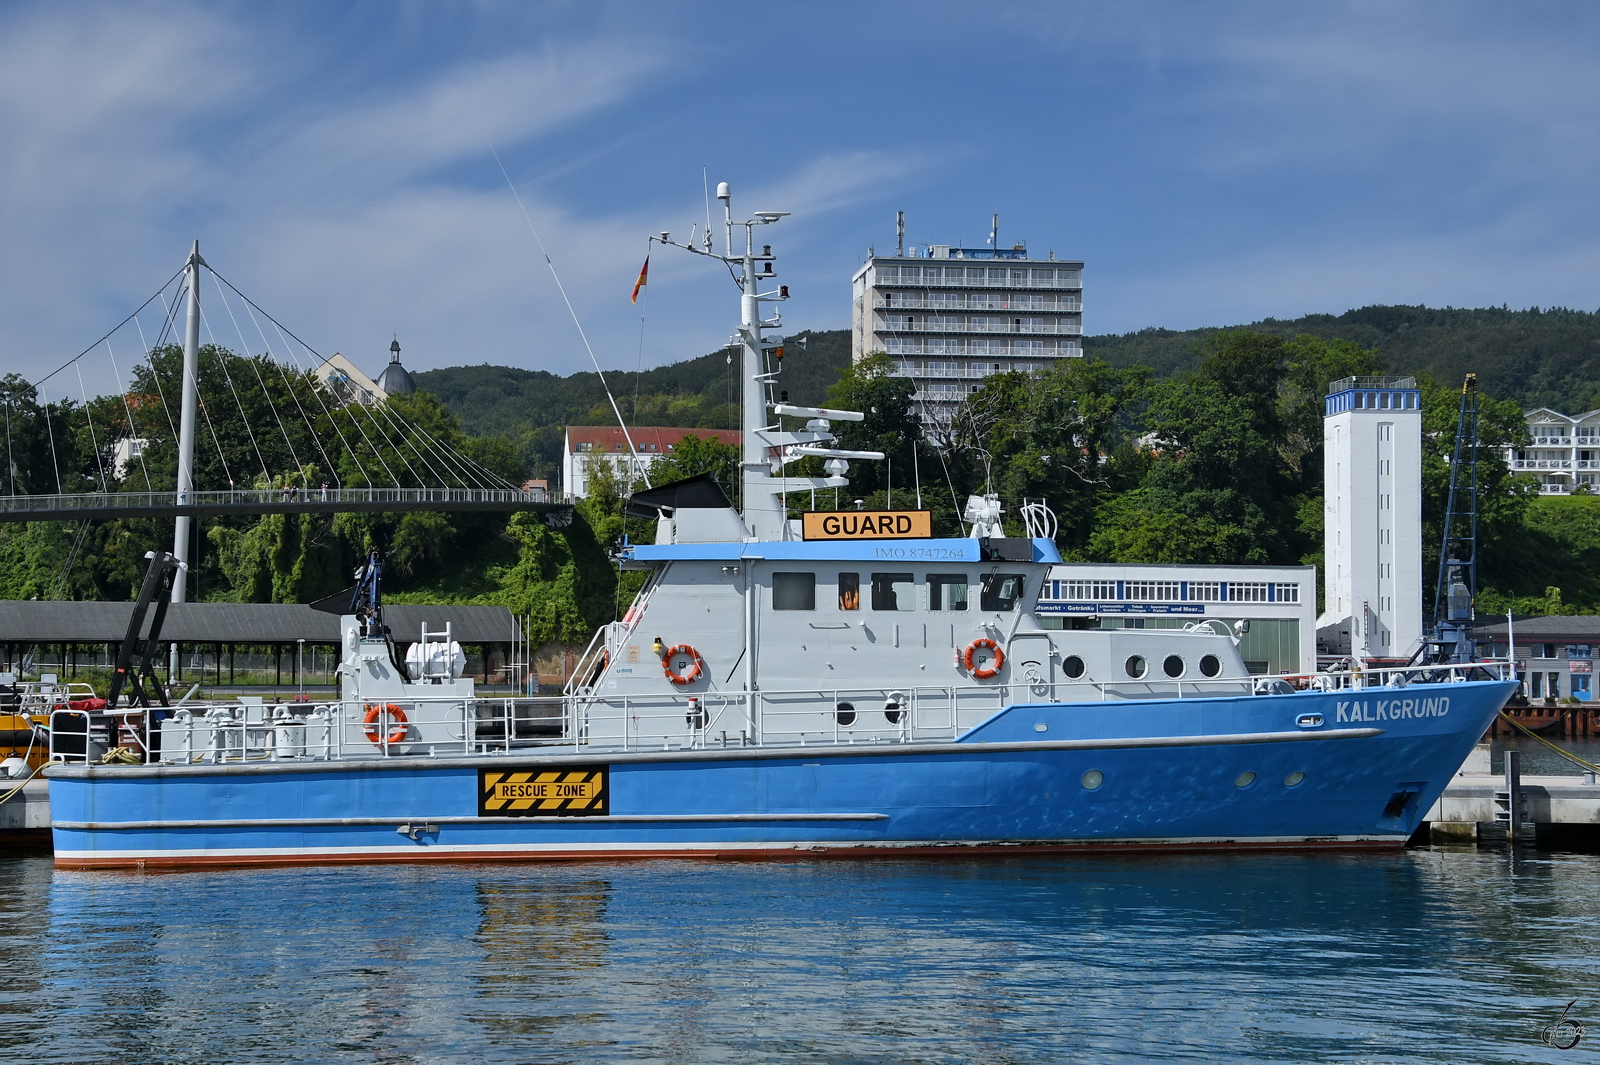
(899, 234)
(994, 232)
(705, 182)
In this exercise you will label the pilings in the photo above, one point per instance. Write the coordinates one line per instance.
(1569, 722)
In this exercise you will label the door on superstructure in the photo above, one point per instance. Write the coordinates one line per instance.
(1032, 667)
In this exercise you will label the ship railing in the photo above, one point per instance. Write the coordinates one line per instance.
(338, 731)
(1356, 676)
(604, 646)
(86, 736)
(335, 731)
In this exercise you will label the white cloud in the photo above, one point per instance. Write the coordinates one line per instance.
(505, 100)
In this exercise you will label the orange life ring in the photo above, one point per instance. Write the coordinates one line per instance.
(697, 665)
(994, 649)
(397, 733)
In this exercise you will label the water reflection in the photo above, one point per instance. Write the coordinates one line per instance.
(541, 938)
(1430, 955)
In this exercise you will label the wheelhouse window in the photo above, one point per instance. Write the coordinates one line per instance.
(794, 591)
(894, 591)
(849, 591)
(1000, 591)
(947, 591)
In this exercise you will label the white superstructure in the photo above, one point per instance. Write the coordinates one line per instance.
(1372, 447)
(1278, 602)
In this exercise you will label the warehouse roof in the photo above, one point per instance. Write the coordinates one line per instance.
(32, 621)
(1575, 625)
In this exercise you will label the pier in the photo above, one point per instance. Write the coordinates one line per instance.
(1482, 806)
(25, 817)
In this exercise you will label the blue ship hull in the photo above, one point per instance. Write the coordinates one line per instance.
(1228, 772)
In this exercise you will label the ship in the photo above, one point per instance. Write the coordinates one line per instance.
(836, 684)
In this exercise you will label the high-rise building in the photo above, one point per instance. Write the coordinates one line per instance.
(951, 316)
(1372, 532)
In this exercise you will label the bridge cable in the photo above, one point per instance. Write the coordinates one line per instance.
(407, 434)
(11, 463)
(88, 416)
(205, 409)
(119, 325)
(200, 401)
(49, 427)
(383, 434)
(149, 356)
(245, 354)
(71, 561)
(300, 375)
(133, 428)
(282, 328)
(448, 456)
(316, 384)
(155, 375)
(222, 364)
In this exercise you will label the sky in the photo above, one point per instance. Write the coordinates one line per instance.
(1212, 163)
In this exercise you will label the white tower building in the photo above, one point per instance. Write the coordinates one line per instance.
(1372, 447)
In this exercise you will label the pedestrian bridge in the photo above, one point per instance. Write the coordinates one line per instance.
(99, 505)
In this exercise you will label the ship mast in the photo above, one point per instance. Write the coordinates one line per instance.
(765, 449)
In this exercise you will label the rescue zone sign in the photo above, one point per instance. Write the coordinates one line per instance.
(568, 792)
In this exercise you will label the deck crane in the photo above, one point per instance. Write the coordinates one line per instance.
(1457, 589)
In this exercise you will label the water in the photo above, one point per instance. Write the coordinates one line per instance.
(1539, 760)
(1444, 955)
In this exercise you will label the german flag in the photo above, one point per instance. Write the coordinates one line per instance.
(644, 277)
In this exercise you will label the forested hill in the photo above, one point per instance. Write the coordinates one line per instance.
(1537, 358)
(530, 407)
(1532, 357)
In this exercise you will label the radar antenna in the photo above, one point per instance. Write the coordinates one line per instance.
(766, 448)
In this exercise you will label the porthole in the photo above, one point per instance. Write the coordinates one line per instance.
(1135, 666)
(1072, 667)
(1293, 779)
(1244, 780)
(1093, 779)
(1210, 665)
(1173, 666)
(892, 711)
(845, 715)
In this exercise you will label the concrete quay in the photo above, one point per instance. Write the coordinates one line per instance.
(25, 817)
(1478, 805)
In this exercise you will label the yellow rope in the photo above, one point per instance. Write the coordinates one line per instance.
(1559, 750)
(18, 789)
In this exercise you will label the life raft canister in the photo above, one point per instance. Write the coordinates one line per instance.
(697, 665)
(397, 733)
(997, 656)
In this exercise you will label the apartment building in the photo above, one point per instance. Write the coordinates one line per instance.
(951, 316)
(1563, 451)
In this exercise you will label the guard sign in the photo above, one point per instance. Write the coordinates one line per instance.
(868, 525)
(571, 791)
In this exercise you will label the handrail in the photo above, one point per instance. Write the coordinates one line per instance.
(289, 500)
(587, 720)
